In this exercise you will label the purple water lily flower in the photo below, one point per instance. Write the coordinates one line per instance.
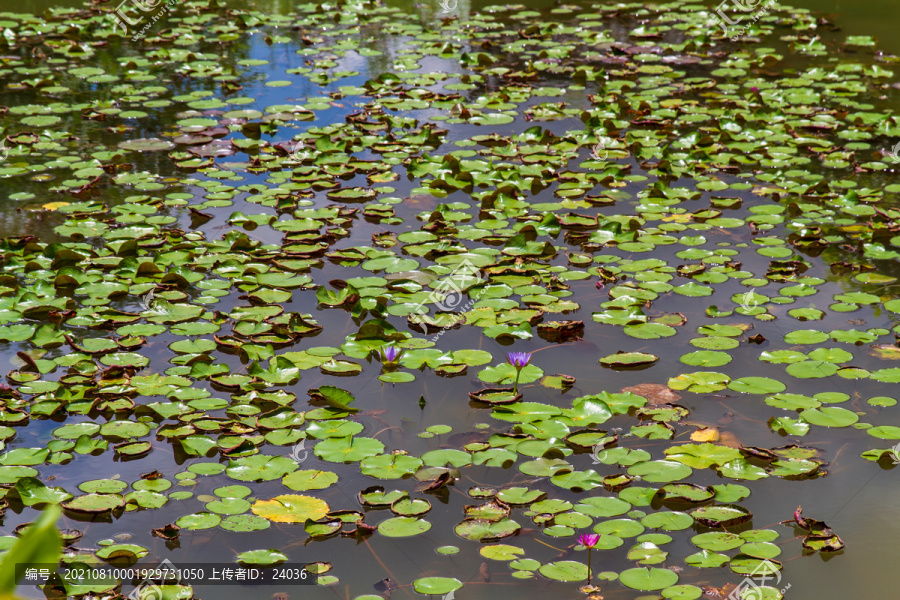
(518, 359)
(390, 354)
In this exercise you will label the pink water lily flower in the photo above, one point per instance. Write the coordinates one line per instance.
(589, 540)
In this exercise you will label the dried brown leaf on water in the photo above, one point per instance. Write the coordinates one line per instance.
(439, 482)
(386, 586)
(714, 593)
(655, 393)
(821, 538)
(167, 532)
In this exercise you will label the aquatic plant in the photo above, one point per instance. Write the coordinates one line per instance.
(519, 360)
(390, 355)
(589, 540)
(205, 259)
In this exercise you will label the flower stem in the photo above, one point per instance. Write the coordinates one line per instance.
(589, 566)
(516, 384)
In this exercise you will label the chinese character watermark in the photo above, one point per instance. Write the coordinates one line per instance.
(34, 574)
(895, 454)
(448, 6)
(448, 293)
(146, 589)
(598, 454)
(599, 151)
(724, 20)
(598, 450)
(763, 572)
(296, 153)
(297, 449)
(748, 300)
(894, 154)
(122, 19)
(147, 301)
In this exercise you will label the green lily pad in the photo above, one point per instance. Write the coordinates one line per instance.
(403, 527)
(485, 530)
(95, 503)
(263, 558)
(648, 579)
(830, 416)
(660, 471)
(564, 570)
(310, 479)
(436, 585)
(624, 360)
(198, 521)
(502, 552)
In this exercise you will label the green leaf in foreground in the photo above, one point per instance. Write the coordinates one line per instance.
(41, 543)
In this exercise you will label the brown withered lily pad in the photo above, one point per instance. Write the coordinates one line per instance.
(655, 393)
(495, 396)
(821, 538)
(491, 511)
(554, 331)
(167, 532)
(617, 482)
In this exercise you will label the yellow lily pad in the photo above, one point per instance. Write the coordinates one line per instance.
(290, 508)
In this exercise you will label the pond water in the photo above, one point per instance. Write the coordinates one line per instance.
(253, 202)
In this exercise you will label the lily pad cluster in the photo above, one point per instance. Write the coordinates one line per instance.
(199, 274)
